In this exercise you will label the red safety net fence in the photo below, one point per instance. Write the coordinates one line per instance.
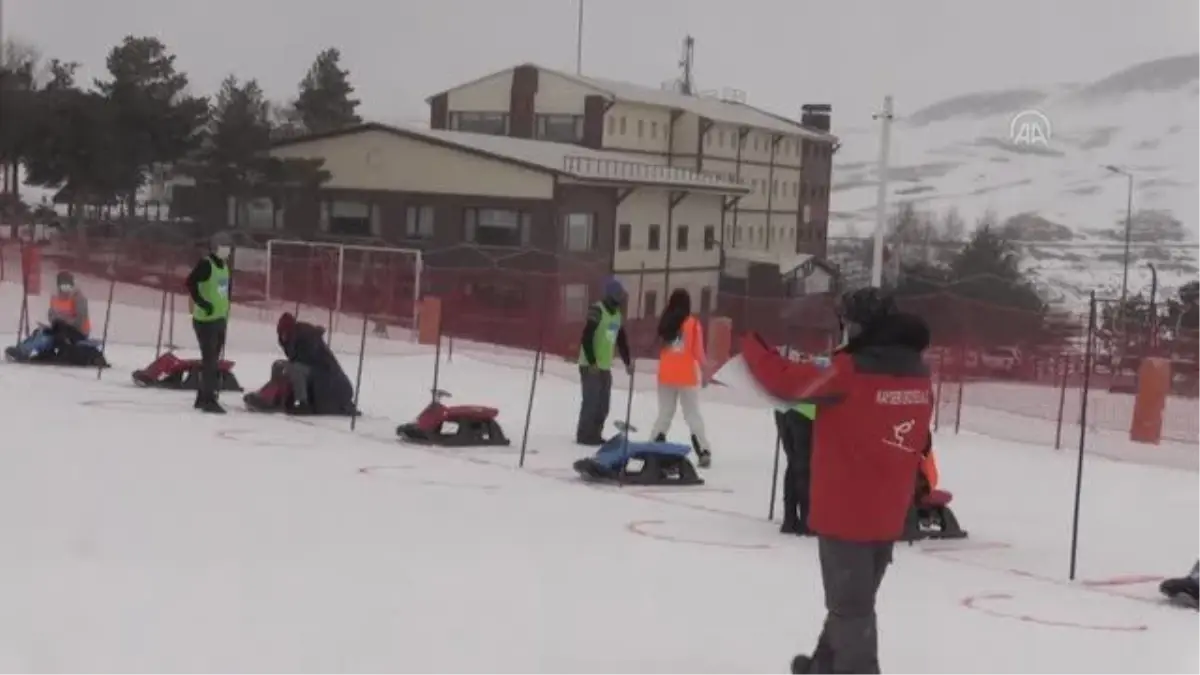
(1002, 372)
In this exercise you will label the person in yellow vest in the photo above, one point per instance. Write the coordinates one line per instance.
(208, 287)
(69, 322)
(681, 365)
(603, 333)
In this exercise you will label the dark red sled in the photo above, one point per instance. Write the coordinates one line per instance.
(171, 372)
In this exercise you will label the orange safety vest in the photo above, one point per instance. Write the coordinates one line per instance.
(65, 305)
(679, 362)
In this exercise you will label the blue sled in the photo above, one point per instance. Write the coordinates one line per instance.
(660, 463)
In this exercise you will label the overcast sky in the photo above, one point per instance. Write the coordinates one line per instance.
(782, 53)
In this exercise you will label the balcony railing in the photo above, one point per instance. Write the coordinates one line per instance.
(642, 172)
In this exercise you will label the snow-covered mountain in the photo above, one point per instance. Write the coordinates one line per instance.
(1070, 209)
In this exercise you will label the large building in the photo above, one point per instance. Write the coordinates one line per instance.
(787, 164)
(544, 172)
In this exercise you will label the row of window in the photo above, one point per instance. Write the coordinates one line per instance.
(757, 234)
(575, 301)
(618, 125)
(789, 188)
(558, 128)
(788, 147)
(654, 237)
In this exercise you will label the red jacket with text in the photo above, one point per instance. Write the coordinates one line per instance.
(875, 404)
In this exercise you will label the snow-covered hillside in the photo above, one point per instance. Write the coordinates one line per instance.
(958, 153)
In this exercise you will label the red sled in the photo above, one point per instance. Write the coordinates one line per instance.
(171, 372)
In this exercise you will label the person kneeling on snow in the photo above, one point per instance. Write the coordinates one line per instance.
(69, 322)
(310, 381)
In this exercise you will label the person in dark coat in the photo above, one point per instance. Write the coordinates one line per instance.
(310, 381)
(876, 405)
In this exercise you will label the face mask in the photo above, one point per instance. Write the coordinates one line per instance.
(223, 251)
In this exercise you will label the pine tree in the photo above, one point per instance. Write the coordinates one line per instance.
(325, 102)
(157, 121)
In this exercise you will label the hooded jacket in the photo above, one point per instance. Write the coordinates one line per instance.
(876, 402)
(330, 390)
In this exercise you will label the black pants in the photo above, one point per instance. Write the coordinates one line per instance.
(596, 395)
(211, 337)
(795, 435)
(851, 573)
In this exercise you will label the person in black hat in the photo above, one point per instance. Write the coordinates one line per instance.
(876, 405)
(208, 287)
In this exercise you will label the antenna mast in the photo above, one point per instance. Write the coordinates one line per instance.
(686, 64)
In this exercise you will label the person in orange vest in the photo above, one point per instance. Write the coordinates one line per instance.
(681, 366)
(68, 317)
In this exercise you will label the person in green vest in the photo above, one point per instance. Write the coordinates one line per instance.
(602, 332)
(795, 426)
(208, 286)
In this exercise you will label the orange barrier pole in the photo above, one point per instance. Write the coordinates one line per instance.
(1154, 383)
(429, 321)
(720, 341)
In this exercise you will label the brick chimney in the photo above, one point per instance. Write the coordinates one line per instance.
(816, 116)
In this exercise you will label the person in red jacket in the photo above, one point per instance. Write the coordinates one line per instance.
(876, 405)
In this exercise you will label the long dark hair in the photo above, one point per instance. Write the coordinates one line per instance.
(678, 309)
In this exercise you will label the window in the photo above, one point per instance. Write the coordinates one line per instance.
(721, 138)
(497, 227)
(495, 124)
(418, 222)
(710, 237)
(350, 219)
(652, 237)
(706, 300)
(578, 231)
(774, 187)
(255, 213)
(624, 236)
(574, 301)
(622, 125)
(681, 238)
(612, 125)
(807, 213)
(641, 128)
(650, 303)
(654, 130)
(560, 128)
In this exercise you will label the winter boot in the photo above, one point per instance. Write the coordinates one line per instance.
(801, 663)
(703, 456)
(211, 405)
(1182, 590)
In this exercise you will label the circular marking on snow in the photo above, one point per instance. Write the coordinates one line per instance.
(397, 469)
(646, 528)
(125, 405)
(258, 437)
(377, 470)
(674, 489)
(979, 602)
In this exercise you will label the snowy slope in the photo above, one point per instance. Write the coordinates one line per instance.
(958, 153)
(141, 536)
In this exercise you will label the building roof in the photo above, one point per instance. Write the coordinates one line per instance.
(715, 109)
(563, 159)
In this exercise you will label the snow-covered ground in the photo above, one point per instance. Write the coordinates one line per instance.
(141, 536)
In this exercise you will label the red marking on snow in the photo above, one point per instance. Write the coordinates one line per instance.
(977, 602)
(372, 470)
(1128, 580)
(641, 527)
(256, 439)
(964, 545)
